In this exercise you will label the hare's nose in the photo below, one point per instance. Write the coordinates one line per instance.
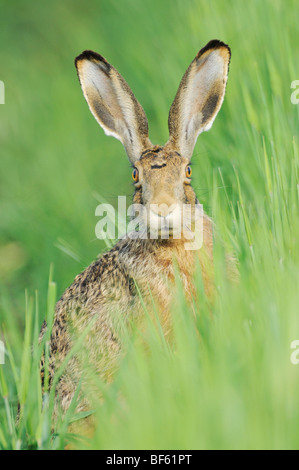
(162, 210)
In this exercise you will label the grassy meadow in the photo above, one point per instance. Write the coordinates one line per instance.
(228, 381)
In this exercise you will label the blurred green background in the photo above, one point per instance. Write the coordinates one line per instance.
(56, 162)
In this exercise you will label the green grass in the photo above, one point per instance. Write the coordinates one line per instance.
(228, 382)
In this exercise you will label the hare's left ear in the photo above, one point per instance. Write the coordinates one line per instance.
(199, 97)
(113, 103)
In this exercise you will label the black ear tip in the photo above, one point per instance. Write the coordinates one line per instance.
(91, 56)
(214, 44)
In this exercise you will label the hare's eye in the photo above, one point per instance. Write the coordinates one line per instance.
(188, 171)
(135, 175)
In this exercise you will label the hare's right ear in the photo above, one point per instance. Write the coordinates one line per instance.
(112, 103)
(199, 97)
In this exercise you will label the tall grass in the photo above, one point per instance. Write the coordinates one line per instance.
(227, 381)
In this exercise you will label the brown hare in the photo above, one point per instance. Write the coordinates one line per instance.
(107, 292)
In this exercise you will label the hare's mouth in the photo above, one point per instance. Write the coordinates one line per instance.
(167, 225)
(177, 223)
(164, 231)
(157, 218)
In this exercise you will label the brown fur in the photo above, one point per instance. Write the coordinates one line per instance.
(107, 290)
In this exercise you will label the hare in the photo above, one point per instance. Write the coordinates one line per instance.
(107, 292)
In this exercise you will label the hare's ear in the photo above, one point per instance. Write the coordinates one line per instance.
(112, 103)
(199, 97)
